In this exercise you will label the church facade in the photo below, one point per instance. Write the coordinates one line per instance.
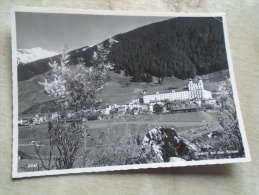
(194, 90)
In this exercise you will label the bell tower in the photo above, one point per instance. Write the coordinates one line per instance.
(190, 85)
(200, 83)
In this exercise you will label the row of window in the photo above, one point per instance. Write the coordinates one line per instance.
(195, 86)
(179, 95)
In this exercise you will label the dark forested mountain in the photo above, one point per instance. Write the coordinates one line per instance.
(181, 47)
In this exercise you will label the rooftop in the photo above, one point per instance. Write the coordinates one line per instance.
(168, 91)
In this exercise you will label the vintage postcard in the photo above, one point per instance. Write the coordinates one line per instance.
(104, 90)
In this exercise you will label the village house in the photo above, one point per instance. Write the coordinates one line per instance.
(209, 101)
(105, 109)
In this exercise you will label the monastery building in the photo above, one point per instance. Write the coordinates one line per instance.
(194, 90)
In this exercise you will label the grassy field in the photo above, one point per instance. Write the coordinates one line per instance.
(114, 141)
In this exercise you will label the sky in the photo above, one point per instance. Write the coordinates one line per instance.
(52, 31)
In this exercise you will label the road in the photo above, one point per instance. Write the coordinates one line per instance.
(103, 124)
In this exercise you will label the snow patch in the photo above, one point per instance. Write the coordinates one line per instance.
(25, 56)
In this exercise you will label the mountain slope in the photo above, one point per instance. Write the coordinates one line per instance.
(180, 47)
(117, 90)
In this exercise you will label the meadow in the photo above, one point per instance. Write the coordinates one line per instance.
(115, 141)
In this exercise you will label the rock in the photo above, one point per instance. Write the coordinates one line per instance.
(164, 143)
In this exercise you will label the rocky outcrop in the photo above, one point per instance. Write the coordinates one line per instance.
(167, 146)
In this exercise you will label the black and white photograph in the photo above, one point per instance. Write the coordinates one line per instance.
(104, 90)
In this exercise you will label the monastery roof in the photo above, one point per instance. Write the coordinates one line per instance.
(168, 91)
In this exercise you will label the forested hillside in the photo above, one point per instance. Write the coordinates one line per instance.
(181, 47)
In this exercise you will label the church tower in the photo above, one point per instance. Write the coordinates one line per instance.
(200, 83)
(190, 85)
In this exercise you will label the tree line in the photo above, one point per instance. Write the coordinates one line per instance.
(180, 47)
